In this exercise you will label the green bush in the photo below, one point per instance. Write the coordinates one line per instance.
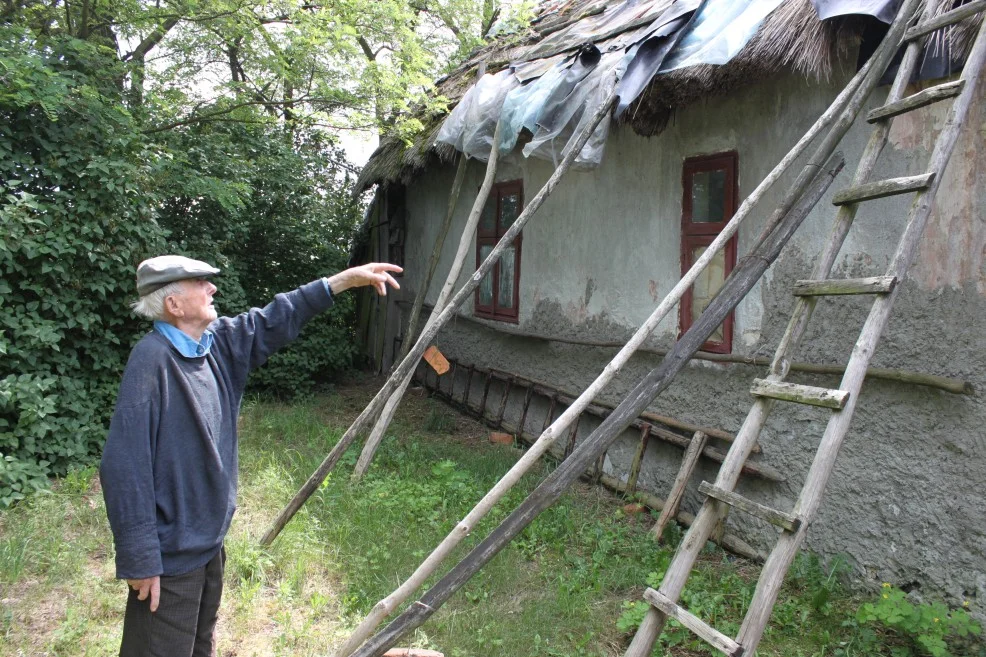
(926, 629)
(77, 217)
(86, 194)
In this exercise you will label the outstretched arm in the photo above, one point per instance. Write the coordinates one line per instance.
(376, 274)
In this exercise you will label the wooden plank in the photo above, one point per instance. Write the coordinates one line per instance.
(783, 520)
(688, 462)
(948, 18)
(882, 188)
(573, 435)
(794, 392)
(527, 404)
(699, 627)
(837, 286)
(638, 459)
(916, 101)
(503, 401)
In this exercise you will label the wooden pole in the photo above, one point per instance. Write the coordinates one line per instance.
(739, 283)
(466, 245)
(436, 254)
(410, 361)
(712, 511)
(688, 462)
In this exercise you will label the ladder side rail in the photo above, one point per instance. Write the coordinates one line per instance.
(712, 511)
(787, 547)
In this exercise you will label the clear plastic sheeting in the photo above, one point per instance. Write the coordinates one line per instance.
(719, 32)
(469, 126)
(884, 10)
(524, 106)
(562, 121)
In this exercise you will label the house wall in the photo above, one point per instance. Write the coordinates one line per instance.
(907, 501)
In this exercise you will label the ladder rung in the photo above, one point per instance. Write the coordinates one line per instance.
(881, 188)
(703, 630)
(835, 286)
(920, 99)
(787, 521)
(795, 392)
(947, 18)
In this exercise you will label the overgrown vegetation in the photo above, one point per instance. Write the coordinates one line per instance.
(567, 587)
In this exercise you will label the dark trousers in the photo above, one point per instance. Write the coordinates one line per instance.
(185, 620)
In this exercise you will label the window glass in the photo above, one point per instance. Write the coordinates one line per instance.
(709, 196)
(487, 220)
(505, 293)
(509, 209)
(707, 285)
(486, 285)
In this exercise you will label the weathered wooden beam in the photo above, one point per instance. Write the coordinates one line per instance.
(948, 18)
(838, 286)
(800, 394)
(882, 188)
(916, 101)
(436, 253)
(786, 521)
(703, 630)
(688, 462)
(638, 459)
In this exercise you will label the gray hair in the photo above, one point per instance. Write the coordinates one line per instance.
(151, 305)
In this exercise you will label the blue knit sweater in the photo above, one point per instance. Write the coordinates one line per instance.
(169, 468)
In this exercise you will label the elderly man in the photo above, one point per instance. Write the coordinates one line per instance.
(169, 468)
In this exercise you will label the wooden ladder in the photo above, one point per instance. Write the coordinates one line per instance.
(842, 401)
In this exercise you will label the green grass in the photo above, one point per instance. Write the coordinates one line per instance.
(568, 586)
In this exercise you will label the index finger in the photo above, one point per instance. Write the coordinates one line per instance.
(386, 266)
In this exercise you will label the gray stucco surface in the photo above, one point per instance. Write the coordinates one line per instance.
(907, 502)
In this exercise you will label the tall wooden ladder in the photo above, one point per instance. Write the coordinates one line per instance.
(842, 401)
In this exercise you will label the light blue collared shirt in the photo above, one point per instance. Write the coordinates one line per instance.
(185, 345)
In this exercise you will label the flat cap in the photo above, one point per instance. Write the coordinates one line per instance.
(155, 273)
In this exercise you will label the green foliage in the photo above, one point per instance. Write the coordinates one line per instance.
(76, 207)
(927, 628)
(85, 195)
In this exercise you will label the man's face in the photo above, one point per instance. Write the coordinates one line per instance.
(195, 303)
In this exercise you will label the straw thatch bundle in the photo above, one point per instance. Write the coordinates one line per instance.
(790, 39)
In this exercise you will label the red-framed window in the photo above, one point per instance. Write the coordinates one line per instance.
(709, 200)
(497, 294)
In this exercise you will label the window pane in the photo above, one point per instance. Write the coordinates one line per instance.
(487, 220)
(486, 285)
(709, 196)
(505, 296)
(509, 209)
(707, 285)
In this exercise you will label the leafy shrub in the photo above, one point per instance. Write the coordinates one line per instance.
(926, 628)
(86, 194)
(77, 217)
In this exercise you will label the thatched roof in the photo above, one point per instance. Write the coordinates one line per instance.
(791, 38)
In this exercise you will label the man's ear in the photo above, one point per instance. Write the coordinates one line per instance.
(172, 306)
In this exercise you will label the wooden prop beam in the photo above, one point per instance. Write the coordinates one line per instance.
(466, 243)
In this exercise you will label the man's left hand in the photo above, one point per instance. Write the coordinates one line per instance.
(376, 274)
